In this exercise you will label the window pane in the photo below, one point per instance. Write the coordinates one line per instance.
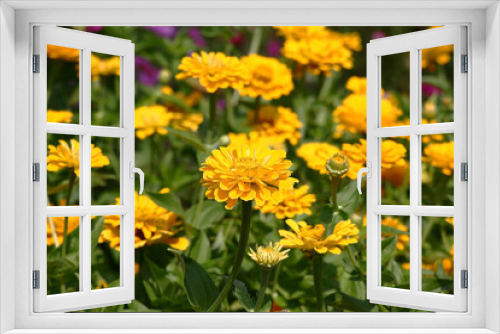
(437, 84)
(105, 89)
(63, 93)
(395, 250)
(395, 80)
(437, 254)
(105, 164)
(437, 169)
(63, 170)
(395, 167)
(106, 254)
(63, 255)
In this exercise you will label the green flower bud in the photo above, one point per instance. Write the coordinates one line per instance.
(337, 165)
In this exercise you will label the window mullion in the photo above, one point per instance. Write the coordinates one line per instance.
(414, 171)
(85, 166)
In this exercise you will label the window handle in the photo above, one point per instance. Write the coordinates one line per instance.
(368, 171)
(141, 176)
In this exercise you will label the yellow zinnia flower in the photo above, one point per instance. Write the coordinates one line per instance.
(450, 220)
(279, 124)
(392, 154)
(153, 224)
(311, 239)
(396, 175)
(238, 139)
(58, 233)
(107, 66)
(295, 202)
(440, 155)
(316, 155)
(300, 32)
(150, 120)
(440, 55)
(59, 116)
(269, 78)
(185, 121)
(250, 172)
(402, 239)
(63, 53)
(64, 156)
(268, 256)
(356, 85)
(214, 70)
(319, 55)
(350, 116)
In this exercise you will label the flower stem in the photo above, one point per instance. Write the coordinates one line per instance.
(318, 286)
(264, 281)
(72, 177)
(354, 261)
(71, 182)
(246, 209)
(212, 114)
(335, 188)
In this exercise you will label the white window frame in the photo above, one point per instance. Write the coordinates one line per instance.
(413, 43)
(124, 132)
(484, 103)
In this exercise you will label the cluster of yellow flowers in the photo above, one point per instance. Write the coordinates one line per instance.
(277, 124)
(59, 116)
(153, 119)
(440, 155)
(153, 224)
(295, 202)
(68, 156)
(312, 239)
(253, 75)
(319, 49)
(250, 172)
(350, 116)
(392, 155)
(107, 66)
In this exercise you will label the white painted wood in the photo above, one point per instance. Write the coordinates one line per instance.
(471, 322)
(86, 43)
(413, 43)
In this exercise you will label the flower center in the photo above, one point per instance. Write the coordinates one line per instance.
(263, 73)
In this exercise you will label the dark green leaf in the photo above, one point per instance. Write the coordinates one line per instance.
(167, 201)
(189, 138)
(97, 227)
(200, 288)
(241, 292)
(392, 230)
(210, 212)
(388, 248)
(200, 249)
(348, 198)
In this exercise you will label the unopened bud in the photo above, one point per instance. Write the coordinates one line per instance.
(337, 165)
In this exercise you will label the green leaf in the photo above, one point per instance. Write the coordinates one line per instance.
(177, 102)
(200, 288)
(211, 212)
(392, 230)
(60, 267)
(326, 214)
(348, 198)
(200, 249)
(167, 201)
(355, 304)
(388, 248)
(189, 138)
(241, 292)
(96, 232)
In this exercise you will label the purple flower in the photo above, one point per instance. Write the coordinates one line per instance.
(163, 31)
(378, 34)
(197, 37)
(146, 72)
(274, 48)
(237, 39)
(93, 28)
(428, 89)
(221, 104)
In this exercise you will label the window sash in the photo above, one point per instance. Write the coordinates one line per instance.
(413, 43)
(86, 43)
